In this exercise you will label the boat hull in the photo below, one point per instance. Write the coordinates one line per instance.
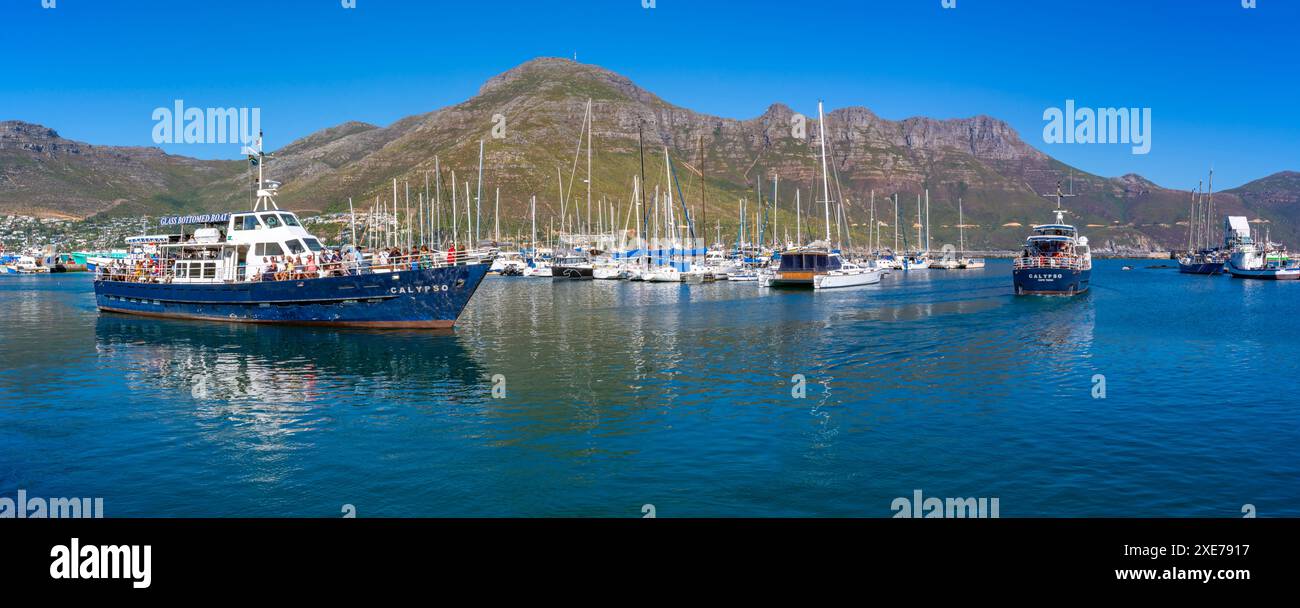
(1266, 274)
(423, 299)
(1051, 281)
(833, 281)
(1200, 267)
(577, 273)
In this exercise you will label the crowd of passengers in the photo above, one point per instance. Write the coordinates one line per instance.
(329, 263)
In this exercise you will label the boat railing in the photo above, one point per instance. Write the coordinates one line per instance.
(1051, 262)
(149, 271)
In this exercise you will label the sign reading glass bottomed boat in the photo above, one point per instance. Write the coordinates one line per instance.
(203, 218)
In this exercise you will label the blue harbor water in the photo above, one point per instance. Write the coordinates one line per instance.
(619, 395)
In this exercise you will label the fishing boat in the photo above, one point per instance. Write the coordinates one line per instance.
(24, 264)
(1201, 258)
(1250, 260)
(1056, 260)
(229, 269)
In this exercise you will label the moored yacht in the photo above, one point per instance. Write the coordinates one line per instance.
(848, 274)
(576, 266)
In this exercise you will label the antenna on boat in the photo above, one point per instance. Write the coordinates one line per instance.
(1060, 213)
(266, 189)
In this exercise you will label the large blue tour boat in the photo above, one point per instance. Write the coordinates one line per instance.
(262, 266)
(1055, 261)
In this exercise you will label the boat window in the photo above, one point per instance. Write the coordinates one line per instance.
(209, 270)
(271, 220)
(247, 222)
(295, 247)
(289, 219)
(312, 244)
(268, 249)
(180, 270)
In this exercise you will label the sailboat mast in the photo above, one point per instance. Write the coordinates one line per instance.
(826, 184)
(919, 223)
(961, 228)
(478, 198)
(437, 180)
(1209, 216)
(872, 231)
(776, 185)
(895, 222)
(798, 219)
(589, 165)
(927, 220)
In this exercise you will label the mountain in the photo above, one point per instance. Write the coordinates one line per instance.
(981, 160)
(45, 175)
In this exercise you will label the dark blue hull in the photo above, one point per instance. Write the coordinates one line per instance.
(428, 298)
(1051, 281)
(1201, 268)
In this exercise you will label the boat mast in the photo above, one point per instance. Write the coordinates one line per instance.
(895, 222)
(927, 220)
(704, 205)
(437, 177)
(589, 129)
(776, 185)
(919, 223)
(826, 184)
(798, 220)
(961, 229)
(455, 216)
(1209, 204)
(645, 210)
(872, 231)
(478, 199)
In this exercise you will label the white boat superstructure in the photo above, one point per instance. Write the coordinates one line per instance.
(848, 274)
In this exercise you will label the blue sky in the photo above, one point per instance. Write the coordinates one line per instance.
(1221, 80)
